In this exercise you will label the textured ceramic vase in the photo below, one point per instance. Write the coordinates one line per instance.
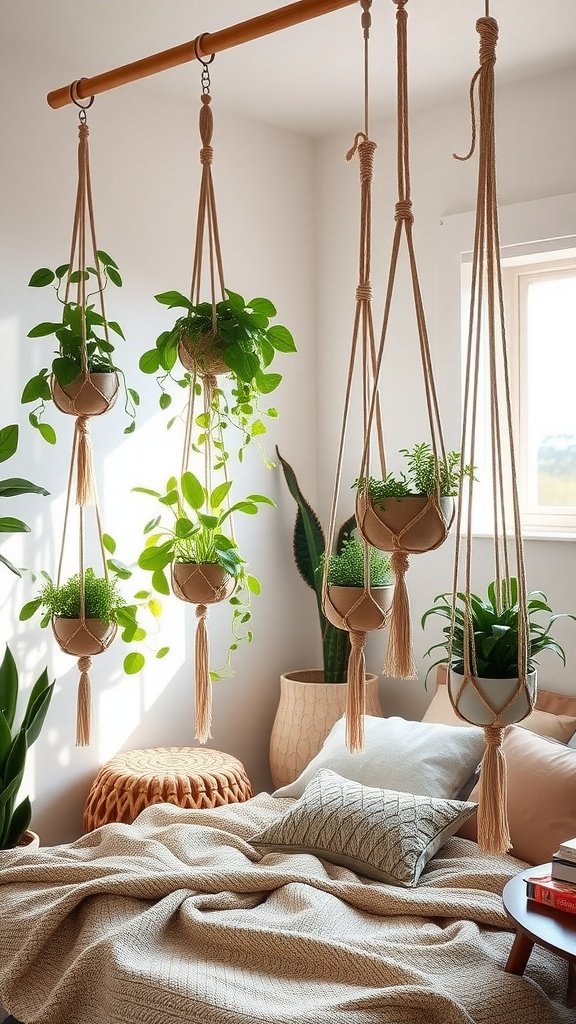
(83, 639)
(199, 583)
(498, 692)
(379, 525)
(307, 710)
(89, 396)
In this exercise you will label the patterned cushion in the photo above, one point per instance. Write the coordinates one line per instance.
(385, 835)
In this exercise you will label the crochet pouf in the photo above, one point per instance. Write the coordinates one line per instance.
(185, 776)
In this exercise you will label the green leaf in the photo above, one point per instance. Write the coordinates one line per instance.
(146, 490)
(105, 259)
(134, 396)
(29, 609)
(174, 299)
(153, 558)
(281, 338)
(257, 428)
(8, 442)
(8, 687)
(114, 326)
(48, 432)
(263, 306)
(9, 565)
(236, 301)
(40, 687)
(114, 276)
(40, 278)
(160, 583)
(219, 494)
(130, 428)
(36, 389)
(38, 709)
(165, 400)
(19, 823)
(254, 585)
(62, 270)
(162, 652)
(121, 570)
(243, 364)
(133, 663)
(184, 528)
(267, 382)
(10, 525)
(5, 741)
(109, 543)
(14, 486)
(192, 490)
(65, 370)
(210, 522)
(78, 275)
(309, 542)
(44, 329)
(150, 361)
(262, 499)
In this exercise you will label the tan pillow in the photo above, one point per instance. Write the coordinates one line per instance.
(541, 788)
(556, 726)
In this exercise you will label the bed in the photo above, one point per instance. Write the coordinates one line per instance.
(183, 917)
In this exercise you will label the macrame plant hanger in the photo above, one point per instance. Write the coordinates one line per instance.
(206, 584)
(91, 394)
(398, 526)
(363, 609)
(487, 318)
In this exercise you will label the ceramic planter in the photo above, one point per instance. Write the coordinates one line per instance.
(379, 525)
(307, 710)
(29, 841)
(497, 692)
(92, 396)
(197, 583)
(201, 355)
(350, 607)
(83, 639)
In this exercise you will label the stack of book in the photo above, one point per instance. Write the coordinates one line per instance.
(557, 889)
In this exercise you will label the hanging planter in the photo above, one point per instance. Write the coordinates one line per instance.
(352, 602)
(202, 583)
(484, 701)
(202, 355)
(86, 396)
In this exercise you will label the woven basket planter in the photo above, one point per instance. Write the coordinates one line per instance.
(201, 355)
(381, 526)
(197, 583)
(90, 396)
(352, 608)
(307, 710)
(498, 692)
(83, 639)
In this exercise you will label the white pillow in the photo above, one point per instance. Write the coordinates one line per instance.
(410, 757)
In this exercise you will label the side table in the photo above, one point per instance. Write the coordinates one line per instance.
(536, 923)
(192, 777)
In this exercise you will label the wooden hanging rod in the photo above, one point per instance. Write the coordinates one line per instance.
(212, 42)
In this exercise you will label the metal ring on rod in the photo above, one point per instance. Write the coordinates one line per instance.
(198, 42)
(73, 90)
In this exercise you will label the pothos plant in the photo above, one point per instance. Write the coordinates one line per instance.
(66, 364)
(193, 527)
(425, 472)
(244, 340)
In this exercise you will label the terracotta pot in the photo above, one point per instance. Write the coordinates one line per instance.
(363, 612)
(201, 355)
(208, 583)
(90, 397)
(83, 639)
(30, 841)
(498, 692)
(307, 710)
(379, 525)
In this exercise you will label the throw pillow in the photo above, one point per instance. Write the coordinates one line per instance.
(385, 835)
(557, 727)
(541, 788)
(409, 757)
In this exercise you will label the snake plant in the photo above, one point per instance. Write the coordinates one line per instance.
(309, 547)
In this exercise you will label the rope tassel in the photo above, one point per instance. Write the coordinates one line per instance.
(400, 663)
(356, 692)
(83, 704)
(85, 485)
(203, 681)
(493, 833)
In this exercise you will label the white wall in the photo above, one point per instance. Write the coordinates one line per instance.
(536, 150)
(145, 175)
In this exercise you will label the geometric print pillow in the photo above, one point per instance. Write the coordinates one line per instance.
(385, 835)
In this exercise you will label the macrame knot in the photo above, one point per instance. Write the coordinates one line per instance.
(206, 155)
(357, 639)
(366, 152)
(400, 563)
(201, 611)
(403, 210)
(364, 293)
(487, 29)
(493, 735)
(84, 664)
(83, 425)
(83, 131)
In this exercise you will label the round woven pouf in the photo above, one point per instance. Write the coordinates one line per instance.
(185, 776)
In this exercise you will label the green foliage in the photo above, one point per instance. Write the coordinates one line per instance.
(309, 546)
(102, 598)
(425, 474)
(68, 331)
(495, 626)
(14, 745)
(193, 527)
(245, 341)
(346, 568)
(12, 487)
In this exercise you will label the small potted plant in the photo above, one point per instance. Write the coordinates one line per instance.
(61, 605)
(402, 510)
(14, 745)
(64, 382)
(349, 605)
(495, 627)
(239, 342)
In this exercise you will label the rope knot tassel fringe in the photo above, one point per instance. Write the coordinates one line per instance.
(403, 210)
(83, 704)
(356, 692)
(399, 663)
(85, 485)
(203, 681)
(487, 29)
(493, 833)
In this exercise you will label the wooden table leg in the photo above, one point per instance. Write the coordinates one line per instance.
(518, 958)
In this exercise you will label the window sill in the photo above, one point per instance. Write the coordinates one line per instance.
(549, 535)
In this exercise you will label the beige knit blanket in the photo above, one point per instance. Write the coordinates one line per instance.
(177, 918)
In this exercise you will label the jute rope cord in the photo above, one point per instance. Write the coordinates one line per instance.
(191, 777)
(365, 609)
(400, 658)
(487, 294)
(208, 584)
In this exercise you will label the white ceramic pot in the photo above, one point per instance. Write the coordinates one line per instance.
(498, 693)
(307, 710)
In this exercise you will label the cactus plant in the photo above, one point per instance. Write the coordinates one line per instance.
(14, 745)
(309, 547)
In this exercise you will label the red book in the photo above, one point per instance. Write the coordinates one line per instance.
(553, 893)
